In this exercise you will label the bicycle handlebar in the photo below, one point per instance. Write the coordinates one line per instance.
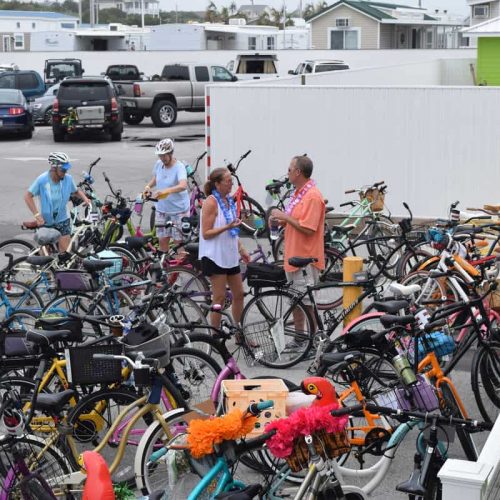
(405, 415)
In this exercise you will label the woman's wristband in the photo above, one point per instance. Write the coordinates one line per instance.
(36, 215)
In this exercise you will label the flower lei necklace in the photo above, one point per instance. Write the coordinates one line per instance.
(229, 213)
(297, 198)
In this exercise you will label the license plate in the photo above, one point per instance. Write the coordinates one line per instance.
(90, 113)
(129, 104)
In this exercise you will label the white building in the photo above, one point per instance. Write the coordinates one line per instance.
(17, 28)
(151, 7)
(482, 11)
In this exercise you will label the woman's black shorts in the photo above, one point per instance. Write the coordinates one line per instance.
(209, 268)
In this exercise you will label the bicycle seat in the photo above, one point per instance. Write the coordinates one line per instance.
(391, 306)
(333, 358)
(53, 402)
(248, 493)
(30, 224)
(404, 290)
(274, 187)
(137, 242)
(39, 260)
(389, 320)
(96, 265)
(44, 338)
(301, 261)
(413, 485)
(329, 209)
(343, 229)
(192, 248)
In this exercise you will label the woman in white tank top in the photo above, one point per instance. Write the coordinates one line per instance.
(220, 246)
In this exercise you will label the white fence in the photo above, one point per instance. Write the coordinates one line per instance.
(479, 480)
(432, 145)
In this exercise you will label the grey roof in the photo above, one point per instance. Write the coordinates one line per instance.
(35, 13)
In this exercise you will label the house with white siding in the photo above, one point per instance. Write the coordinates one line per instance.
(365, 24)
(481, 12)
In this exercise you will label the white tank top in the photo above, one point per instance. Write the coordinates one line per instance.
(223, 249)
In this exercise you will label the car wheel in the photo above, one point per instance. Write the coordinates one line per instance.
(164, 114)
(133, 118)
(47, 117)
(28, 134)
(116, 135)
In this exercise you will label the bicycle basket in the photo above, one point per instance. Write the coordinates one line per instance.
(260, 275)
(328, 445)
(417, 397)
(83, 369)
(376, 199)
(146, 338)
(75, 281)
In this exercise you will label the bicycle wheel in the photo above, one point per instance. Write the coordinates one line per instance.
(432, 289)
(132, 290)
(94, 415)
(195, 373)
(410, 261)
(16, 247)
(251, 212)
(78, 303)
(485, 380)
(278, 248)
(451, 407)
(152, 471)
(33, 489)
(270, 333)
(48, 461)
(331, 297)
(184, 279)
(23, 320)
(129, 260)
(22, 296)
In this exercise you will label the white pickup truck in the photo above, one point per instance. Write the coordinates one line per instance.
(254, 66)
(318, 66)
(180, 87)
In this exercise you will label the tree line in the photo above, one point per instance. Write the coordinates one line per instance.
(270, 17)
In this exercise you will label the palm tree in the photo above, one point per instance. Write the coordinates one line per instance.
(211, 13)
(233, 8)
(309, 11)
(224, 15)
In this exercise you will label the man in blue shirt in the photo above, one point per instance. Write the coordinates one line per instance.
(170, 180)
(54, 188)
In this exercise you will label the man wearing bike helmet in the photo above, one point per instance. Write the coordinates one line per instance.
(54, 189)
(170, 180)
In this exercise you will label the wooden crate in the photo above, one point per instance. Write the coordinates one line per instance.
(240, 393)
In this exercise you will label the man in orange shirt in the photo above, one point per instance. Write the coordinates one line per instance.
(304, 221)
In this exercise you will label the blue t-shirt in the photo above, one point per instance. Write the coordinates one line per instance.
(175, 203)
(54, 196)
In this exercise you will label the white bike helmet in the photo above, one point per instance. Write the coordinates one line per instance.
(166, 146)
(59, 160)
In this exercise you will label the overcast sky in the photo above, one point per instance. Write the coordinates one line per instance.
(453, 6)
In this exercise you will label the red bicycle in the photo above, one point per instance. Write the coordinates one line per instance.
(247, 209)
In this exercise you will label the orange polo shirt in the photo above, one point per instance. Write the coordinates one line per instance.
(310, 212)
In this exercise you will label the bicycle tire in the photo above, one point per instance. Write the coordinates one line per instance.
(275, 319)
(189, 281)
(153, 439)
(278, 248)
(250, 210)
(17, 247)
(451, 407)
(195, 373)
(330, 298)
(485, 378)
(35, 490)
(49, 459)
(22, 320)
(411, 260)
(27, 298)
(129, 259)
(436, 290)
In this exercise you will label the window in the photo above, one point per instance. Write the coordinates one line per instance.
(201, 74)
(7, 82)
(84, 91)
(220, 74)
(344, 39)
(271, 43)
(308, 69)
(342, 22)
(27, 81)
(330, 67)
(18, 25)
(19, 42)
(33, 25)
(68, 26)
(252, 43)
(429, 37)
(481, 11)
(175, 73)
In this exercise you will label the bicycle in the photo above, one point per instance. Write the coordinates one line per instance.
(248, 210)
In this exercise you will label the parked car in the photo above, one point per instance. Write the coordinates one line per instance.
(58, 69)
(87, 104)
(29, 82)
(318, 66)
(15, 115)
(42, 106)
(180, 87)
(9, 67)
(254, 66)
(124, 76)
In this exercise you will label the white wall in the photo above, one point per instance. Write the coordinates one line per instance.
(176, 37)
(52, 41)
(153, 61)
(432, 145)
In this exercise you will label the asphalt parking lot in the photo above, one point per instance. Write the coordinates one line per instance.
(128, 164)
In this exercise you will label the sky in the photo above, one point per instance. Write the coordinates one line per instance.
(453, 6)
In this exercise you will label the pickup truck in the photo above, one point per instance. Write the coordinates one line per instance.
(254, 66)
(180, 87)
(124, 76)
(318, 66)
(58, 69)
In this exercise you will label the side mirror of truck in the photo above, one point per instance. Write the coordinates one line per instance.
(291, 72)
(83, 71)
(234, 79)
